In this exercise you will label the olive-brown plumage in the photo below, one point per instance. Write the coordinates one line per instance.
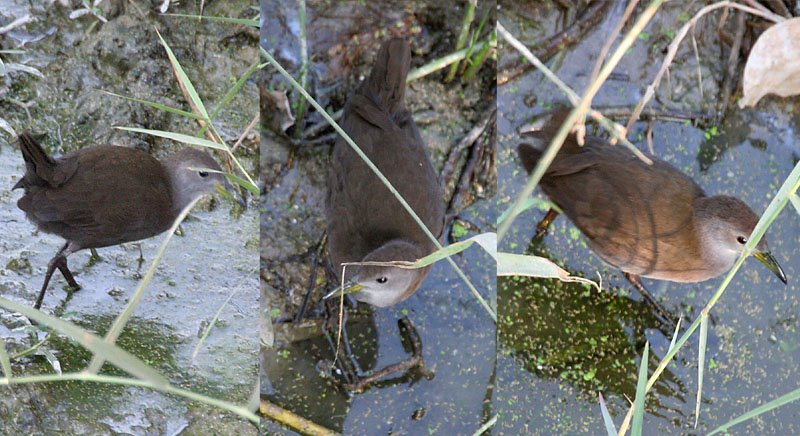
(106, 195)
(647, 220)
(365, 222)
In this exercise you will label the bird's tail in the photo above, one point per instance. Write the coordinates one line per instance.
(40, 164)
(387, 80)
(530, 154)
(33, 152)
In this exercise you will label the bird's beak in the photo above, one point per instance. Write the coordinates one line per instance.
(768, 259)
(228, 192)
(350, 287)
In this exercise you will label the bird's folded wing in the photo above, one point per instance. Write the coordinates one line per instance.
(371, 113)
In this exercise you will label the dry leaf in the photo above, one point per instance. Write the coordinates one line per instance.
(275, 105)
(774, 64)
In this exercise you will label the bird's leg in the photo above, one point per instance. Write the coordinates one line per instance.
(316, 253)
(548, 219)
(141, 255)
(348, 350)
(409, 332)
(58, 261)
(635, 280)
(62, 266)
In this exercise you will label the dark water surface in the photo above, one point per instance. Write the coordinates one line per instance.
(561, 344)
(457, 335)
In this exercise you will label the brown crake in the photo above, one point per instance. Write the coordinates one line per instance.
(647, 220)
(105, 195)
(365, 221)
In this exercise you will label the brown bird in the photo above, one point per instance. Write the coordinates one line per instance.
(365, 222)
(106, 195)
(647, 220)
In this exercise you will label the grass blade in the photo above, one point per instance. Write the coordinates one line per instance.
(795, 202)
(5, 361)
(114, 354)
(701, 364)
(232, 92)
(675, 335)
(242, 21)
(186, 139)
(509, 264)
(530, 202)
(774, 404)
(253, 189)
(183, 79)
(160, 106)
(125, 315)
(486, 240)
(611, 429)
(442, 62)
(486, 426)
(638, 404)
(127, 381)
(469, 15)
(213, 322)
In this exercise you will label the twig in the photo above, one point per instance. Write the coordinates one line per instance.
(779, 8)
(316, 128)
(573, 97)
(455, 153)
(405, 325)
(456, 205)
(699, 67)
(591, 16)
(755, 4)
(292, 420)
(16, 23)
(722, 20)
(733, 62)
(610, 41)
(245, 133)
(623, 112)
(673, 49)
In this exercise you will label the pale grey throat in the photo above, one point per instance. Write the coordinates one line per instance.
(385, 286)
(723, 225)
(187, 182)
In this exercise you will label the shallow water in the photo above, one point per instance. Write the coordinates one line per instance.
(562, 344)
(457, 335)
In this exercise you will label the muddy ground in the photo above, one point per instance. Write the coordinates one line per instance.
(81, 59)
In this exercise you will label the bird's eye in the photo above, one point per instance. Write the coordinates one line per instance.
(203, 174)
(742, 240)
(381, 280)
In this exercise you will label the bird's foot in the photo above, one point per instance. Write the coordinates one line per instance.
(544, 224)
(359, 382)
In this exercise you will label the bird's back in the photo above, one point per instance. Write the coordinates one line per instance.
(362, 213)
(635, 215)
(107, 195)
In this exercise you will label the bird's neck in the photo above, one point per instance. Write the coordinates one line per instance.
(716, 255)
(179, 185)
